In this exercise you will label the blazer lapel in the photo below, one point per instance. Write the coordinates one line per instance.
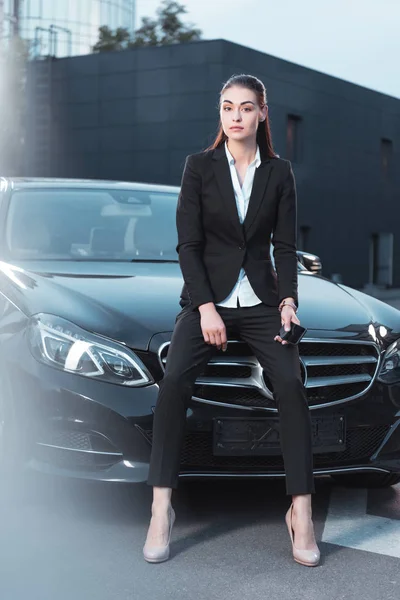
(223, 176)
(261, 178)
(225, 186)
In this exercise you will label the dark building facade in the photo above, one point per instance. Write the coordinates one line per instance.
(135, 115)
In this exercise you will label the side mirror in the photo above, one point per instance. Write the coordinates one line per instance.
(312, 262)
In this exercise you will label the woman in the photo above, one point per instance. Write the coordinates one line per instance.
(233, 196)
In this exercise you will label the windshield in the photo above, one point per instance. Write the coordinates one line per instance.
(91, 224)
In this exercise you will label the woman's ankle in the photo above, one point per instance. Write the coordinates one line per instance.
(302, 504)
(161, 499)
(159, 509)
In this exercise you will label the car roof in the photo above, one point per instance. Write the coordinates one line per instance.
(53, 182)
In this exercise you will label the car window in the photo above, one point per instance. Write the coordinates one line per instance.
(91, 224)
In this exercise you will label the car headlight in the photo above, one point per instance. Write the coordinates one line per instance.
(390, 368)
(66, 346)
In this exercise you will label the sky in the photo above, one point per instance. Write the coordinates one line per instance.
(355, 40)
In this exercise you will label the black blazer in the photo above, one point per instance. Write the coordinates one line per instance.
(212, 243)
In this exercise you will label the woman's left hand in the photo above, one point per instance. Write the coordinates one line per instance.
(288, 316)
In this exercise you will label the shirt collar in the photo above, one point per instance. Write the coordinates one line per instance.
(231, 160)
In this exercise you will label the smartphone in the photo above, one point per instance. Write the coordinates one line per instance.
(294, 335)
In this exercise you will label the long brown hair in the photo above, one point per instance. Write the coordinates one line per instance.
(264, 138)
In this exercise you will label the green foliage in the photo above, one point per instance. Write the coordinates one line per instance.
(166, 29)
(108, 40)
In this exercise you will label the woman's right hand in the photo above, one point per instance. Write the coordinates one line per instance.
(212, 326)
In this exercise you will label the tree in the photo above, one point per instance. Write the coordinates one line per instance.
(147, 34)
(111, 41)
(166, 29)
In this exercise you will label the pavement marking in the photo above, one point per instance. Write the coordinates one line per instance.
(347, 524)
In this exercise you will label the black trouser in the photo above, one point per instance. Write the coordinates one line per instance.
(188, 355)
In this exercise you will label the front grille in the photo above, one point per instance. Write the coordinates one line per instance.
(233, 395)
(336, 348)
(332, 371)
(74, 449)
(239, 372)
(197, 452)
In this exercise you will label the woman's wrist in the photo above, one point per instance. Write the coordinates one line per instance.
(288, 302)
(209, 306)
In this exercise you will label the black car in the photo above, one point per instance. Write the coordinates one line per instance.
(89, 292)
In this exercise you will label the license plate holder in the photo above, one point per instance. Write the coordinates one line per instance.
(260, 436)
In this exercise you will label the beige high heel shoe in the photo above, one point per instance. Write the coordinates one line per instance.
(309, 558)
(156, 554)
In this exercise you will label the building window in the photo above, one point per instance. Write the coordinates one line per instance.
(381, 259)
(386, 157)
(293, 138)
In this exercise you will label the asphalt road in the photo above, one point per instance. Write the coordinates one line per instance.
(71, 540)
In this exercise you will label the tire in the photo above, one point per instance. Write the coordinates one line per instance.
(367, 480)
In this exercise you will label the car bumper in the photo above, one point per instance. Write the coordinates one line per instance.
(77, 427)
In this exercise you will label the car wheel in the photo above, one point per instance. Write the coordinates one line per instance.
(367, 480)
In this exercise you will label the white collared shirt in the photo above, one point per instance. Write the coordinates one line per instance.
(242, 290)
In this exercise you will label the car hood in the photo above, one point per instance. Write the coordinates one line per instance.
(130, 302)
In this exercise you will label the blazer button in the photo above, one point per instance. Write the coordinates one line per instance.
(241, 247)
